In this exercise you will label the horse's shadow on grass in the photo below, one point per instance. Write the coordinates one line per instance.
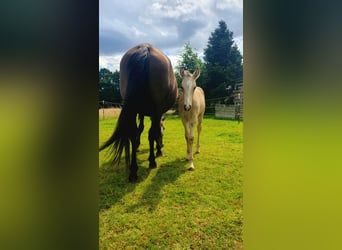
(113, 183)
(166, 173)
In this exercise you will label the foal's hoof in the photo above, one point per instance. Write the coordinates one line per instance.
(191, 168)
(159, 154)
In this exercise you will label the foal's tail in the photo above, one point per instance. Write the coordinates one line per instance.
(126, 128)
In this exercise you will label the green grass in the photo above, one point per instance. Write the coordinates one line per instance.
(171, 207)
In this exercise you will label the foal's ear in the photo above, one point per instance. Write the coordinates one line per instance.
(181, 72)
(196, 74)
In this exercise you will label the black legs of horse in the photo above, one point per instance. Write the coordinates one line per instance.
(140, 129)
(153, 135)
(133, 176)
(158, 140)
(133, 167)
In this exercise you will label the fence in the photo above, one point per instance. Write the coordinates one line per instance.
(105, 104)
(214, 107)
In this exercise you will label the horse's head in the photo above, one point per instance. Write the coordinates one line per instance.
(188, 86)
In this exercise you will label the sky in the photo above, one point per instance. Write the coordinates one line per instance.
(166, 24)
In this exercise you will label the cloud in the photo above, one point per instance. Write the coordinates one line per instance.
(229, 4)
(167, 24)
(110, 62)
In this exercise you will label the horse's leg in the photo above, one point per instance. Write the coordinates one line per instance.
(140, 130)
(159, 140)
(153, 134)
(134, 166)
(199, 129)
(159, 143)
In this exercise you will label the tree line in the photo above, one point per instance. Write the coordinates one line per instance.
(221, 68)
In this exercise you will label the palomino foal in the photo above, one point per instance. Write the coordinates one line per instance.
(191, 106)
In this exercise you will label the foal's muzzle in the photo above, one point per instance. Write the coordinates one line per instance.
(187, 107)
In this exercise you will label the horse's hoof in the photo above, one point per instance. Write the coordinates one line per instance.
(159, 154)
(191, 168)
(132, 178)
(153, 165)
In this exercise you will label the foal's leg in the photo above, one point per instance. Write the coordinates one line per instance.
(191, 142)
(153, 134)
(199, 129)
(186, 135)
(189, 137)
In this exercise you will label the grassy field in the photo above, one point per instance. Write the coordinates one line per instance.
(171, 207)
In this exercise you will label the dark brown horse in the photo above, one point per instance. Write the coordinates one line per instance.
(149, 88)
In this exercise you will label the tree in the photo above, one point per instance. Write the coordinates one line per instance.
(109, 86)
(104, 76)
(189, 60)
(223, 63)
(116, 84)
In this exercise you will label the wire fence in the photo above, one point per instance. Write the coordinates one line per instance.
(106, 104)
(214, 107)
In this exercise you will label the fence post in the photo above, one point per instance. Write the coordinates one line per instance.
(103, 109)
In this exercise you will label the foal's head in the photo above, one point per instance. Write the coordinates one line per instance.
(188, 86)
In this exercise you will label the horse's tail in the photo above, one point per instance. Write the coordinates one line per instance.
(126, 127)
(120, 138)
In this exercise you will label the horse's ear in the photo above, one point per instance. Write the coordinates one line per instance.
(181, 72)
(196, 74)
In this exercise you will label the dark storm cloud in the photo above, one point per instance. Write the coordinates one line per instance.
(188, 29)
(111, 42)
